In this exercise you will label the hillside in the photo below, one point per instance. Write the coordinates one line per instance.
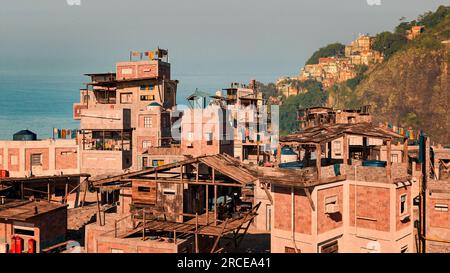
(411, 88)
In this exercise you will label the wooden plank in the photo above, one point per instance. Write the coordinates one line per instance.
(311, 202)
(268, 193)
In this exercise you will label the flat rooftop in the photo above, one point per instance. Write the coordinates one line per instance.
(21, 210)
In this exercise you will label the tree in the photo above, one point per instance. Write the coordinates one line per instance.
(336, 49)
(388, 43)
(288, 110)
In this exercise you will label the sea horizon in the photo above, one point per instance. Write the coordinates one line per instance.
(41, 101)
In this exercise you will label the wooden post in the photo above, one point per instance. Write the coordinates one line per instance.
(405, 151)
(345, 149)
(115, 228)
(279, 153)
(21, 190)
(66, 193)
(388, 159)
(196, 233)
(48, 191)
(318, 160)
(143, 224)
(215, 196)
(99, 217)
(85, 190)
(207, 204)
(329, 150)
(257, 152)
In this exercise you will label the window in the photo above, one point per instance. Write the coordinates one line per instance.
(36, 159)
(331, 204)
(145, 162)
(330, 247)
(157, 162)
(403, 204)
(127, 71)
(146, 144)
(147, 97)
(126, 98)
(337, 147)
(394, 158)
(289, 249)
(147, 87)
(14, 160)
(143, 189)
(147, 122)
(23, 231)
(168, 192)
(441, 207)
(66, 153)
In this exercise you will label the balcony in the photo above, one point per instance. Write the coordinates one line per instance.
(105, 118)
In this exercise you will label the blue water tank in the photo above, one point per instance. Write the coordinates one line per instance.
(374, 163)
(25, 135)
(291, 165)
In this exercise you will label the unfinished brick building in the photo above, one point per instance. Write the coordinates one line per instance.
(350, 203)
(317, 116)
(195, 205)
(123, 114)
(39, 157)
(438, 217)
(31, 226)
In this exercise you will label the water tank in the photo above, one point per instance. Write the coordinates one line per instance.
(374, 163)
(24, 135)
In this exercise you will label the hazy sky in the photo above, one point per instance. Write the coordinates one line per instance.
(228, 39)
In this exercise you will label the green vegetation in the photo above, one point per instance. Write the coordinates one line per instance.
(269, 90)
(360, 70)
(432, 19)
(336, 49)
(288, 110)
(388, 43)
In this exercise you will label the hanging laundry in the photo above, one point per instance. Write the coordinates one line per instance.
(63, 134)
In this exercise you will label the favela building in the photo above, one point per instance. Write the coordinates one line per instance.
(143, 174)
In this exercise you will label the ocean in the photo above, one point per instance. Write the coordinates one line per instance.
(42, 102)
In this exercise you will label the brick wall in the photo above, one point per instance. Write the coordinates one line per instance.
(436, 218)
(2, 167)
(282, 210)
(42, 151)
(369, 174)
(373, 207)
(52, 226)
(326, 222)
(66, 158)
(13, 152)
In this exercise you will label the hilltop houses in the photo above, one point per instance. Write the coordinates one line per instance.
(337, 69)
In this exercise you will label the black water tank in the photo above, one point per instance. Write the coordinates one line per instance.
(25, 135)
